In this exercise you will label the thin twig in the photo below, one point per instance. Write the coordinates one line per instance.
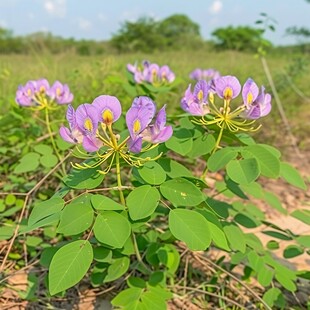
(210, 294)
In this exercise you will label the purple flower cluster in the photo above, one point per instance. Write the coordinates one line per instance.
(36, 93)
(254, 106)
(151, 73)
(83, 123)
(208, 74)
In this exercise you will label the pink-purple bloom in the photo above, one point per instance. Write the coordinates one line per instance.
(109, 108)
(60, 93)
(261, 106)
(83, 123)
(255, 104)
(39, 93)
(138, 119)
(151, 73)
(227, 87)
(207, 74)
(196, 102)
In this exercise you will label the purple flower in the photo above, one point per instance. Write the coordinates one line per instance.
(158, 132)
(72, 134)
(60, 92)
(196, 74)
(227, 87)
(210, 74)
(196, 103)
(83, 124)
(138, 119)
(139, 116)
(152, 73)
(259, 108)
(249, 92)
(42, 86)
(108, 107)
(166, 75)
(87, 119)
(25, 94)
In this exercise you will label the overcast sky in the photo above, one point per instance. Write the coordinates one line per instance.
(99, 19)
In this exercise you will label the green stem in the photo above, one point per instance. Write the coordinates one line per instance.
(217, 144)
(119, 180)
(48, 125)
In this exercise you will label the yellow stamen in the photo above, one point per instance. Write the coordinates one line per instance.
(107, 116)
(29, 92)
(228, 93)
(58, 91)
(136, 126)
(249, 98)
(42, 89)
(88, 125)
(200, 95)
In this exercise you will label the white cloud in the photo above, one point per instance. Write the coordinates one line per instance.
(57, 8)
(84, 24)
(216, 7)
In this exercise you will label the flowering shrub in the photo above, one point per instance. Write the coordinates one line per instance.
(132, 199)
(39, 94)
(204, 74)
(151, 73)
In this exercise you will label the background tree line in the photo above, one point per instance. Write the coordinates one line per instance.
(146, 35)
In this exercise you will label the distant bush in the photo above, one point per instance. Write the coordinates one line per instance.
(241, 38)
(148, 35)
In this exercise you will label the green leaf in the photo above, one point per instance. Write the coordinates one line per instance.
(243, 171)
(83, 179)
(272, 296)
(112, 228)
(221, 158)
(43, 149)
(129, 298)
(45, 209)
(265, 276)
(202, 145)
(304, 240)
(6, 231)
(191, 227)
(69, 265)
(181, 192)
(102, 254)
(272, 245)
(142, 202)
(285, 281)
(274, 202)
(268, 162)
(174, 169)
(292, 175)
(28, 162)
(292, 251)
(302, 215)
(235, 237)
(76, 217)
(48, 160)
(101, 202)
(152, 173)
(181, 142)
(277, 235)
(117, 269)
(216, 230)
